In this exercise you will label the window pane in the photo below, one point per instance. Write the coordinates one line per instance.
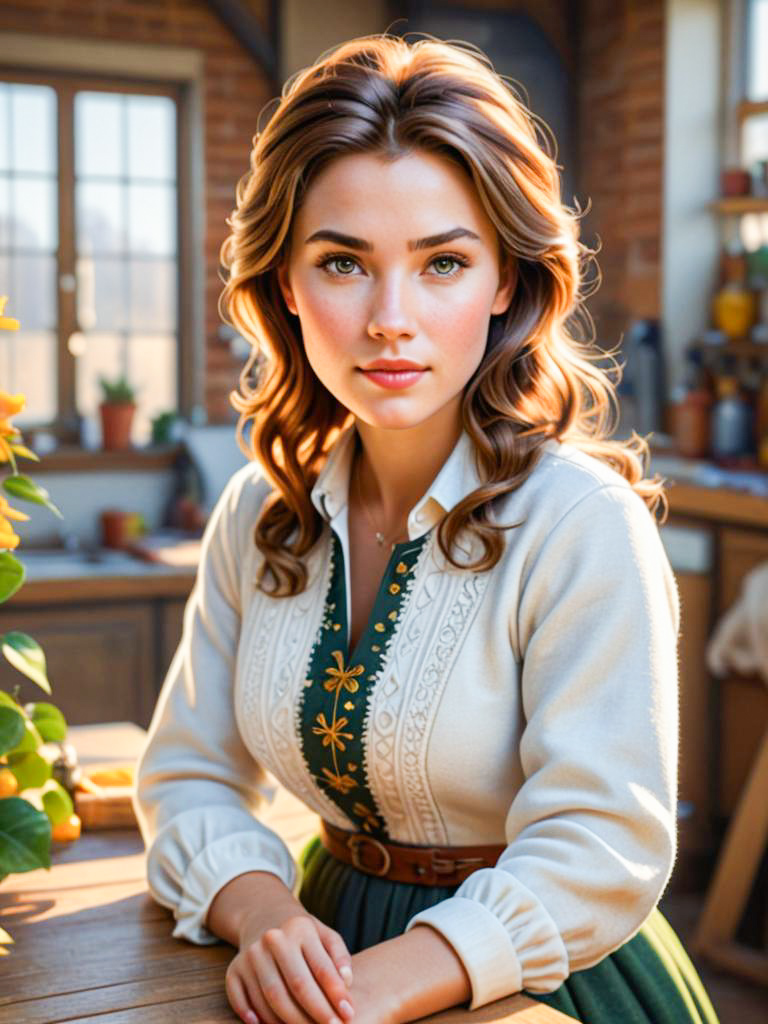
(152, 219)
(153, 295)
(100, 219)
(152, 368)
(34, 223)
(103, 355)
(755, 139)
(5, 125)
(757, 32)
(99, 133)
(151, 137)
(28, 364)
(5, 212)
(101, 294)
(33, 293)
(33, 127)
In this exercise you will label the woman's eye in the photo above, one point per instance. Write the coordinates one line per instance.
(457, 261)
(344, 265)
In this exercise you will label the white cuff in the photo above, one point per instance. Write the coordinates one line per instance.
(198, 851)
(216, 865)
(502, 934)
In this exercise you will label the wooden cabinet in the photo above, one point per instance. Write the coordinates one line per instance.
(721, 720)
(106, 660)
(742, 700)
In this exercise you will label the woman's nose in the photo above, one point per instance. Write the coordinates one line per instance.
(391, 314)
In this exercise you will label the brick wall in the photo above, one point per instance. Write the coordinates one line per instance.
(234, 92)
(621, 115)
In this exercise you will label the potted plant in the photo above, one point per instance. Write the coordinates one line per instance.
(35, 807)
(117, 408)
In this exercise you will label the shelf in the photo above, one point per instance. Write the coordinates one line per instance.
(734, 349)
(736, 205)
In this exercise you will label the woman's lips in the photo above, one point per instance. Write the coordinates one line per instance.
(394, 379)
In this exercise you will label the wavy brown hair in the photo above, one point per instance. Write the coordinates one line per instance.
(538, 378)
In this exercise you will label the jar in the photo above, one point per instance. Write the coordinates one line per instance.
(734, 310)
(691, 423)
(731, 421)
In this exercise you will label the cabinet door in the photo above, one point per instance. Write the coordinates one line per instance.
(743, 700)
(101, 661)
(171, 623)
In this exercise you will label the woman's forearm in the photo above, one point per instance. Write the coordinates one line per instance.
(251, 902)
(439, 982)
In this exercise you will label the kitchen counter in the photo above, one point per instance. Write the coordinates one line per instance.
(58, 576)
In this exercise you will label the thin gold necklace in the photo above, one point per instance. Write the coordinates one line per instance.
(381, 540)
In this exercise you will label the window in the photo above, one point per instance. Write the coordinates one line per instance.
(752, 116)
(89, 244)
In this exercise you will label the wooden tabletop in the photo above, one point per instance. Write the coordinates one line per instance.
(90, 944)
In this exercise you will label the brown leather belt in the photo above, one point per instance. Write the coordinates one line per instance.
(401, 862)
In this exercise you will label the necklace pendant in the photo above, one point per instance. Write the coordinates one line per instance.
(380, 538)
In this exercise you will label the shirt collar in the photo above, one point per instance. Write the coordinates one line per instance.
(456, 479)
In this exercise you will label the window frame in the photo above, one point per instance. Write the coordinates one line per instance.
(737, 108)
(69, 65)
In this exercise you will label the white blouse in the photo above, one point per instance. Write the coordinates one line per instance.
(533, 705)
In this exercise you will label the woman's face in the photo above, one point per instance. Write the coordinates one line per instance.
(371, 279)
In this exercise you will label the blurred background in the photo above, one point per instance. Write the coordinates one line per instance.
(124, 127)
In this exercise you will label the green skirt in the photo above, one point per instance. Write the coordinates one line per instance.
(648, 980)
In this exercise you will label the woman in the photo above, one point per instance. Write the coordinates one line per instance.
(435, 606)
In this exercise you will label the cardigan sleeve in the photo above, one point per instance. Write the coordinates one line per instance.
(198, 789)
(591, 832)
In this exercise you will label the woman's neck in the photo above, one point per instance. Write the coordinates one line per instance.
(396, 467)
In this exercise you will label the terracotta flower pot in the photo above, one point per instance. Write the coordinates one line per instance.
(116, 421)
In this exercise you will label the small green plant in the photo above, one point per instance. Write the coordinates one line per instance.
(32, 800)
(117, 391)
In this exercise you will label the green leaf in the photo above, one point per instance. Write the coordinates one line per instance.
(49, 721)
(7, 701)
(21, 486)
(11, 729)
(27, 656)
(57, 803)
(25, 837)
(31, 770)
(11, 575)
(32, 739)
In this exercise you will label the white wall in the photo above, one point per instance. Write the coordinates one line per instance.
(693, 153)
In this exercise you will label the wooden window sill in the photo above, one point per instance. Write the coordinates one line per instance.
(72, 459)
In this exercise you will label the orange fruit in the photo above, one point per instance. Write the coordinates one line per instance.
(67, 830)
(8, 783)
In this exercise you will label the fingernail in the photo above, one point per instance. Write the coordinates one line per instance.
(346, 973)
(251, 1018)
(346, 1008)
(334, 1020)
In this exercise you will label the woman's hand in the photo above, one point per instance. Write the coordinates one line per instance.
(296, 973)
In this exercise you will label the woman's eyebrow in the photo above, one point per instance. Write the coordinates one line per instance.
(351, 242)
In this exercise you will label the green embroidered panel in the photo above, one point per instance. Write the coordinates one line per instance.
(334, 703)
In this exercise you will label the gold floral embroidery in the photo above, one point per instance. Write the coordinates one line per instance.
(342, 783)
(370, 821)
(392, 615)
(351, 766)
(332, 734)
(349, 705)
(379, 627)
(342, 677)
(394, 588)
(401, 567)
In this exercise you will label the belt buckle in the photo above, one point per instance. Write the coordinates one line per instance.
(355, 842)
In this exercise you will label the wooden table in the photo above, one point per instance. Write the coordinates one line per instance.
(92, 945)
